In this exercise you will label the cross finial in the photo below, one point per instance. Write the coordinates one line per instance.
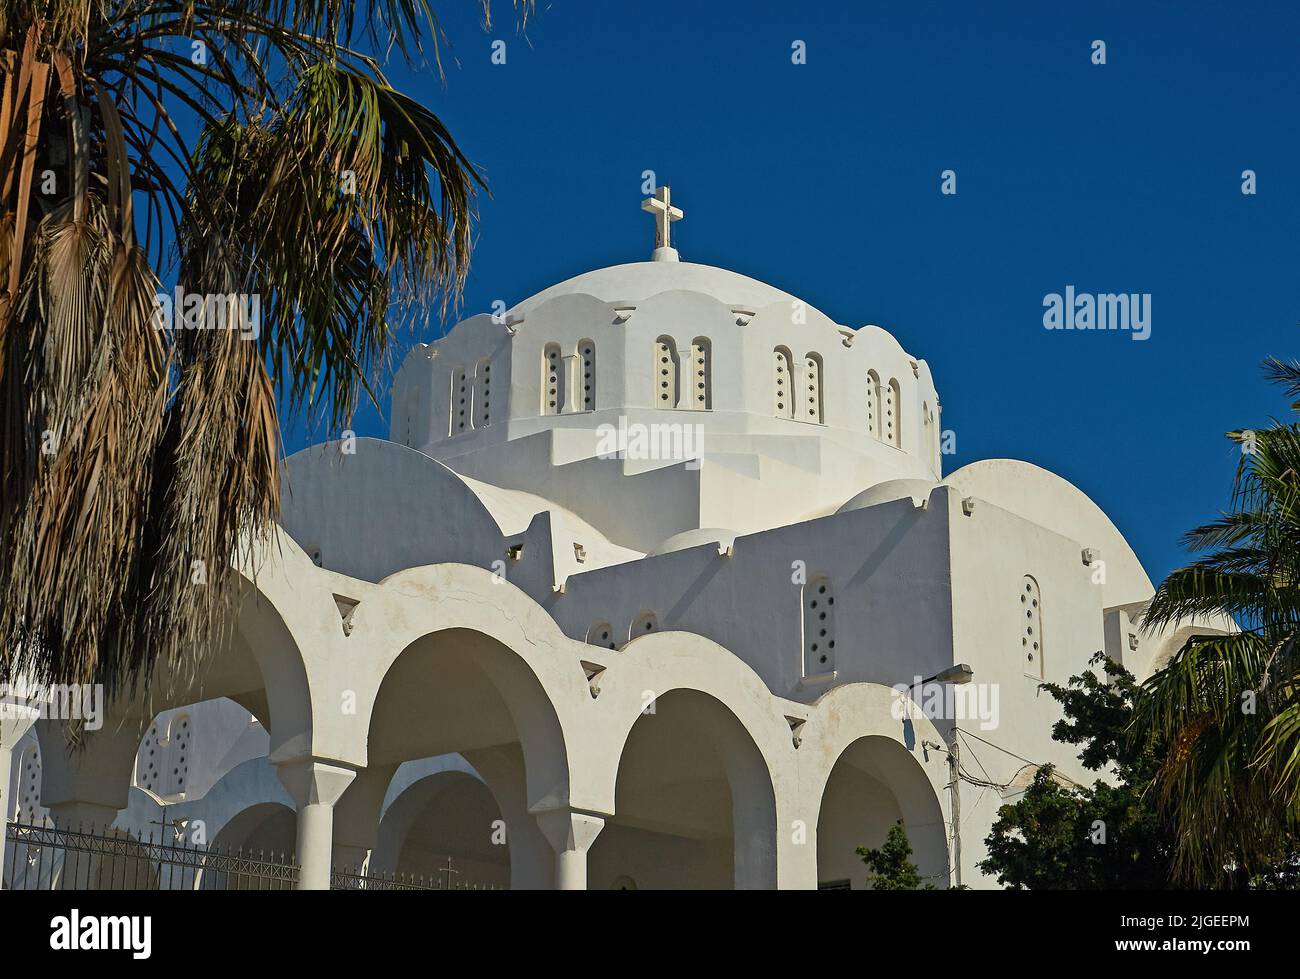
(661, 206)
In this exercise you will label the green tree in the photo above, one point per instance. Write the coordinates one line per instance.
(1229, 706)
(252, 147)
(891, 870)
(1101, 837)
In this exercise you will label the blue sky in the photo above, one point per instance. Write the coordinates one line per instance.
(824, 179)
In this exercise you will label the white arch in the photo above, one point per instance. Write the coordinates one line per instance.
(535, 668)
(667, 373)
(410, 806)
(849, 713)
(587, 364)
(682, 661)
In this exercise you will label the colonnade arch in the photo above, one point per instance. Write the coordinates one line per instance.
(694, 803)
(578, 764)
(88, 769)
(875, 783)
(459, 690)
(876, 759)
(265, 830)
(445, 828)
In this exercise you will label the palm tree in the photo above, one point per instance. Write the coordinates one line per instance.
(1230, 705)
(259, 154)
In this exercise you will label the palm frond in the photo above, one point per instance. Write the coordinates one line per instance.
(1229, 706)
(135, 456)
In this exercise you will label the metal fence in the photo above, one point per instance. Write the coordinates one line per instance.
(41, 857)
(447, 878)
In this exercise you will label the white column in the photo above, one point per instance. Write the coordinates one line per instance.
(572, 385)
(570, 835)
(16, 719)
(6, 769)
(84, 788)
(315, 786)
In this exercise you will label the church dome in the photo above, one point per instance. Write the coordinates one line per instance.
(636, 281)
(661, 397)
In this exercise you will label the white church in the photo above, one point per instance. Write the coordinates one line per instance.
(657, 582)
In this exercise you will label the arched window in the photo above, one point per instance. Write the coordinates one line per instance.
(552, 380)
(460, 407)
(873, 403)
(601, 634)
(813, 404)
(783, 393)
(483, 392)
(818, 626)
(1031, 624)
(930, 430)
(666, 369)
(643, 625)
(587, 357)
(27, 800)
(893, 427)
(701, 374)
(177, 757)
(148, 760)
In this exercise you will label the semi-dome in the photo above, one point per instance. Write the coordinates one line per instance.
(694, 538)
(917, 490)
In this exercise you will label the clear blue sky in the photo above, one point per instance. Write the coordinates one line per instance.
(824, 179)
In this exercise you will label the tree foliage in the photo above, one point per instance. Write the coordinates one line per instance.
(253, 147)
(1204, 756)
(1106, 836)
(890, 865)
(1229, 706)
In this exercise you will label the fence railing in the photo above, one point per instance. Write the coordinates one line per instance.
(349, 880)
(39, 857)
(43, 857)
(447, 878)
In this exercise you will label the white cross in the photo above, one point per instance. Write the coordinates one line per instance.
(661, 206)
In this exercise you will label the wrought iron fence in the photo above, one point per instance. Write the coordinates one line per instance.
(446, 878)
(350, 880)
(41, 857)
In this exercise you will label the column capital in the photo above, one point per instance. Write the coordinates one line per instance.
(312, 782)
(568, 830)
(97, 771)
